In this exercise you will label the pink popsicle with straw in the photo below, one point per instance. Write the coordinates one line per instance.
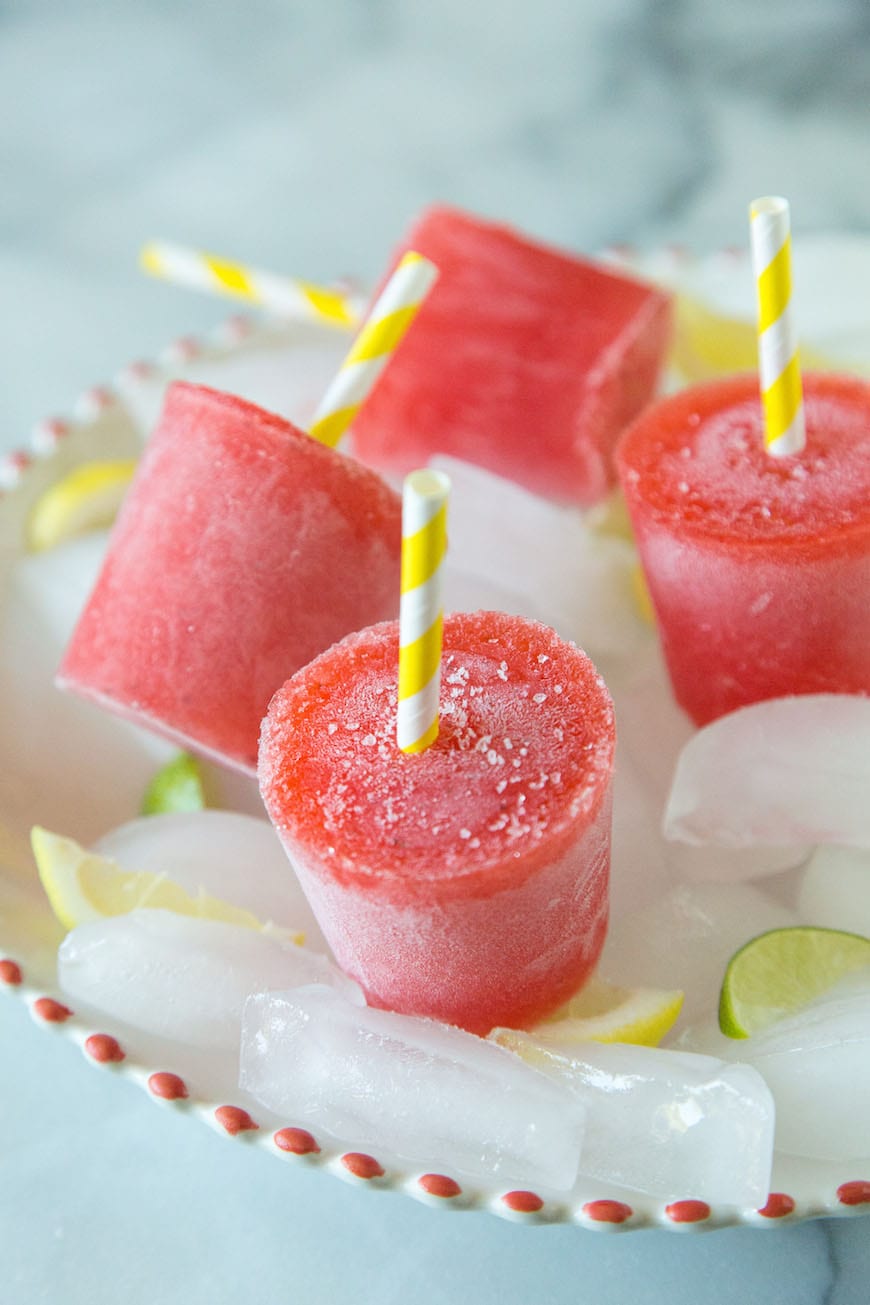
(244, 548)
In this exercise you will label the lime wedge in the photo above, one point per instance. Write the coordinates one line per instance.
(779, 972)
(87, 498)
(177, 786)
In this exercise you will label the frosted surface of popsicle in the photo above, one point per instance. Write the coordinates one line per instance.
(671, 1124)
(788, 770)
(182, 978)
(427, 1091)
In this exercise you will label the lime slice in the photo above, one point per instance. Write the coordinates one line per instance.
(87, 498)
(778, 972)
(177, 786)
(602, 1012)
(82, 886)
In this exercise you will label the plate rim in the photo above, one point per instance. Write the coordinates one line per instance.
(48, 1008)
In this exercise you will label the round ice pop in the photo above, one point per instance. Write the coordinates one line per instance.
(758, 567)
(468, 882)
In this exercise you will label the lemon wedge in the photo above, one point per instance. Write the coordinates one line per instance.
(86, 498)
(602, 1012)
(82, 886)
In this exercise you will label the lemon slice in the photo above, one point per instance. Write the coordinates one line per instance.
(782, 970)
(82, 886)
(641, 596)
(708, 343)
(602, 1012)
(87, 498)
(178, 786)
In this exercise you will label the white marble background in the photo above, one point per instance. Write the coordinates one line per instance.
(301, 135)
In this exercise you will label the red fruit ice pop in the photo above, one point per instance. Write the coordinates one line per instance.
(758, 567)
(524, 359)
(468, 882)
(244, 548)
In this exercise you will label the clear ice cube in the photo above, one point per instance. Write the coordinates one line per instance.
(817, 1065)
(834, 891)
(686, 938)
(45, 734)
(789, 770)
(554, 568)
(671, 1124)
(234, 857)
(426, 1091)
(183, 978)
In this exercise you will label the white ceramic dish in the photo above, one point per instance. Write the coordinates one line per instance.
(106, 423)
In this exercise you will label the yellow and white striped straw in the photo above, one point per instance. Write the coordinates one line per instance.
(421, 622)
(381, 334)
(284, 295)
(778, 364)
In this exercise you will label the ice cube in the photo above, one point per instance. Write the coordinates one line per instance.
(789, 770)
(650, 727)
(183, 978)
(733, 864)
(639, 870)
(428, 1092)
(817, 1065)
(233, 857)
(670, 1124)
(835, 889)
(285, 369)
(686, 938)
(45, 734)
(555, 568)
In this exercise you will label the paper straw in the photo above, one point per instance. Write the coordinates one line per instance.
(424, 544)
(778, 365)
(381, 334)
(291, 298)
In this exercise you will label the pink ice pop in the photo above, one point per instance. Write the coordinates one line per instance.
(524, 359)
(468, 882)
(244, 549)
(758, 566)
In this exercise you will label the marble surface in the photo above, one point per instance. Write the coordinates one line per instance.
(302, 135)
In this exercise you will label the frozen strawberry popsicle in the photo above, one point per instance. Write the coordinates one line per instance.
(758, 566)
(468, 882)
(244, 548)
(524, 360)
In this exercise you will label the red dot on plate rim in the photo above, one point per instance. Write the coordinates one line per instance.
(10, 972)
(169, 1087)
(687, 1211)
(104, 1049)
(362, 1166)
(607, 1211)
(296, 1141)
(777, 1206)
(234, 1120)
(856, 1192)
(439, 1185)
(53, 1012)
(523, 1202)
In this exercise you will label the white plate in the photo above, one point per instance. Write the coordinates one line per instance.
(88, 798)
